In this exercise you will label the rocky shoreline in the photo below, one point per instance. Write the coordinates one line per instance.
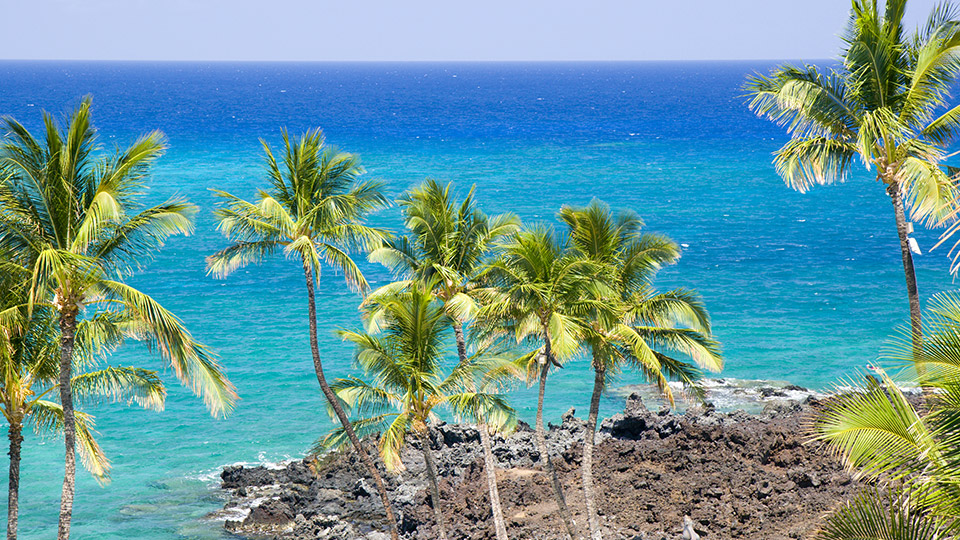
(736, 475)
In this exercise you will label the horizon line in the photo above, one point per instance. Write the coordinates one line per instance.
(552, 61)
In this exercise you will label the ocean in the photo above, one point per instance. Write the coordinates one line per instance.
(802, 288)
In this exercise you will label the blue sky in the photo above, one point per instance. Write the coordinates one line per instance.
(426, 29)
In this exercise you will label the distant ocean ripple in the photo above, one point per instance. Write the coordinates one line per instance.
(802, 288)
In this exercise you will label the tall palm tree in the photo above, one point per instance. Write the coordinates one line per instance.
(405, 364)
(634, 326)
(539, 291)
(883, 105)
(71, 219)
(446, 246)
(314, 211)
(909, 455)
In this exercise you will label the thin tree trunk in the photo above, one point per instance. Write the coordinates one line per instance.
(15, 434)
(542, 441)
(587, 467)
(489, 463)
(434, 486)
(916, 330)
(338, 409)
(68, 328)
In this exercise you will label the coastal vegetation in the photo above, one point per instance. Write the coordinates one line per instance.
(446, 247)
(887, 105)
(538, 285)
(314, 212)
(405, 363)
(633, 326)
(529, 296)
(513, 302)
(884, 106)
(906, 450)
(29, 362)
(71, 224)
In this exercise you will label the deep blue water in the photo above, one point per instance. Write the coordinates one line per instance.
(802, 287)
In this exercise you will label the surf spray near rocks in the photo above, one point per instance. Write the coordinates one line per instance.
(736, 475)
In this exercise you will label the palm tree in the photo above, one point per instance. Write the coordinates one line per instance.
(29, 351)
(447, 245)
(70, 218)
(315, 211)
(634, 326)
(883, 106)
(538, 292)
(405, 365)
(910, 455)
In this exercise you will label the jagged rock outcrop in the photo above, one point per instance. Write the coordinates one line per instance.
(735, 475)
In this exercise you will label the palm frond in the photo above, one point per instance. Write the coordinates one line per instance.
(117, 384)
(192, 362)
(491, 410)
(881, 515)
(364, 427)
(47, 416)
(876, 431)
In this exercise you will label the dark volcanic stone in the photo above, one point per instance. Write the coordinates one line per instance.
(632, 423)
(236, 476)
(737, 476)
(270, 512)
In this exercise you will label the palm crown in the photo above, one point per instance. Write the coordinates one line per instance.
(314, 211)
(405, 362)
(882, 105)
(536, 291)
(446, 241)
(632, 325)
(70, 222)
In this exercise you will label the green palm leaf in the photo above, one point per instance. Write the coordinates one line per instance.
(48, 416)
(136, 385)
(879, 515)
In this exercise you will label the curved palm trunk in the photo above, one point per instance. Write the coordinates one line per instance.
(15, 434)
(68, 329)
(916, 330)
(542, 440)
(338, 409)
(434, 486)
(589, 494)
(489, 463)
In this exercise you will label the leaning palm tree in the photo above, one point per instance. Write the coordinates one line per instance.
(71, 219)
(883, 106)
(314, 212)
(446, 246)
(634, 326)
(537, 291)
(909, 455)
(404, 363)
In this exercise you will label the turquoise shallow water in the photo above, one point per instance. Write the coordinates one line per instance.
(802, 288)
